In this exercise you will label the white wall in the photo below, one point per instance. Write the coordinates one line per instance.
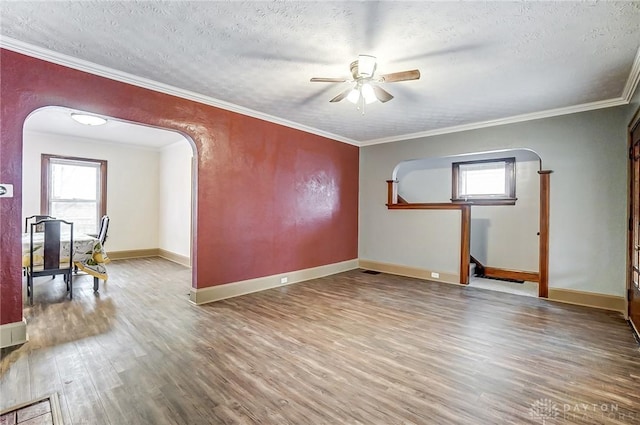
(175, 198)
(506, 236)
(503, 236)
(429, 184)
(424, 239)
(587, 153)
(132, 185)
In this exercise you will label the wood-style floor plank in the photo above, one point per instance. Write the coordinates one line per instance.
(352, 348)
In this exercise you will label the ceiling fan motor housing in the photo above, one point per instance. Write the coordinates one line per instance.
(355, 70)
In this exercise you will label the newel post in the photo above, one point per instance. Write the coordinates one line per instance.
(545, 190)
(465, 243)
(392, 192)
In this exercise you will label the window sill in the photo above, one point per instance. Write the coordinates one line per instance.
(487, 201)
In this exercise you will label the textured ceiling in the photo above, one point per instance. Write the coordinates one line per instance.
(480, 61)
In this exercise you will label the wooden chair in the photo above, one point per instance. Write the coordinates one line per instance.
(36, 218)
(40, 229)
(104, 227)
(102, 237)
(51, 248)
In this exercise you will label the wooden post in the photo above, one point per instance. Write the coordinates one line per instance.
(543, 243)
(392, 192)
(465, 243)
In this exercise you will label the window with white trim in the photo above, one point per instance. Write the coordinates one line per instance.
(75, 189)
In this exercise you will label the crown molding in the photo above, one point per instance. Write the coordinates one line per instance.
(102, 71)
(634, 78)
(624, 99)
(124, 77)
(502, 121)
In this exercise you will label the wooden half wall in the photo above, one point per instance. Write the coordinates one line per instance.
(465, 222)
(542, 276)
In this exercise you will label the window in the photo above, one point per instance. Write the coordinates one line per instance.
(490, 181)
(75, 189)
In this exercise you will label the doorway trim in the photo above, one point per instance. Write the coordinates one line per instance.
(635, 122)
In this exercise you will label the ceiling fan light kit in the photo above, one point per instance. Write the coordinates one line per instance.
(362, 91)
(354, 96)
(366, 89)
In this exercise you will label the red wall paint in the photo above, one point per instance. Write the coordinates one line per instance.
(270, 199)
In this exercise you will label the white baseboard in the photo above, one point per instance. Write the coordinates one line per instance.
(13, 333)
(235, 289)
(410, 271)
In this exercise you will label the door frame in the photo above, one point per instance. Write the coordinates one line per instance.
(635, 122)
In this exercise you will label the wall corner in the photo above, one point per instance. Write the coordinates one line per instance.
(13, 334)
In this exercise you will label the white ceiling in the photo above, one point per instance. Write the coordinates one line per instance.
(480, 61)
(57, 120)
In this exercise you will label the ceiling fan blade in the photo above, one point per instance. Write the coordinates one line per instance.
(316, 95)
(382, 95)
(329, 80)
(341, 96)
(400, 76)
(440, 52)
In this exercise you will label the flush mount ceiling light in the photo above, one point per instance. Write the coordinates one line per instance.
(366, 89)
(87, 119)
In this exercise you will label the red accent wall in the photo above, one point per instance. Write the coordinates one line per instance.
(270, 199)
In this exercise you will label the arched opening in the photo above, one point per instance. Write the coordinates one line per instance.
(504, 241)
(150, 180)
(247, 228)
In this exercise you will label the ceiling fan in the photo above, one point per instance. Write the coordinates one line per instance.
(366, 89)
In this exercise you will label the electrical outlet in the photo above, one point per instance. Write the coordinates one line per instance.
(284, 279)
(6, 190)
(436, 275)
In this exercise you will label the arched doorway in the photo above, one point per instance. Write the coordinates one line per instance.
(150, 179)
(509, 234)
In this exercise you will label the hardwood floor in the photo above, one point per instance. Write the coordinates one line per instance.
(353, 348)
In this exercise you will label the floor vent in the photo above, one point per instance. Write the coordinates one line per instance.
(43, 411)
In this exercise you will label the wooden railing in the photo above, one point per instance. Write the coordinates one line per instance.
(542, 277)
